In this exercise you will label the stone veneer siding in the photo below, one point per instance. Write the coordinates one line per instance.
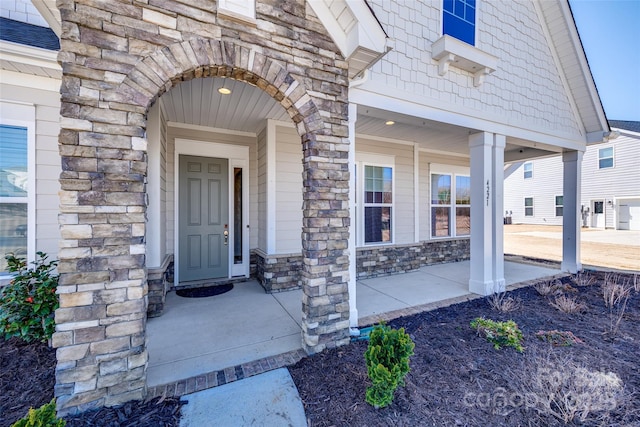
(117, 58)
(282, 272)
(278, 272)
(383, 260)
(159, 281)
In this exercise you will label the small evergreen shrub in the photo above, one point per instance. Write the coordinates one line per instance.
(387, 360)
(28, 303)
(44, 416)
(499, 333)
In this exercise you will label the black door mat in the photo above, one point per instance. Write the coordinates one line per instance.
(208, 291)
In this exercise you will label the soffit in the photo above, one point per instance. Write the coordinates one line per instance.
(29, 60)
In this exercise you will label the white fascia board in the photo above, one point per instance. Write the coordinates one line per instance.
(29, 55)
(582, 58)
(50, 13)
(27, 80)
(365, 33)
(368, 32)
(338, 35)
(373, 94)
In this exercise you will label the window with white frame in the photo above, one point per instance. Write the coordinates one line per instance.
(528, 170)
(559, 205)
(14, 181)
(528, 206)
(605, 158)
(440, 205)
(450, 205)
(459, 19)
(463, 205)
(377, 204)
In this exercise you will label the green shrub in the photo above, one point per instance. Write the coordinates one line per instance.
(387, 360)
(499, 333)
(28, 303)
(44, 416)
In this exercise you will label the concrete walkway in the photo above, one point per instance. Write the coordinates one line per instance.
(213, 339)
(269, 399)
(225, 334)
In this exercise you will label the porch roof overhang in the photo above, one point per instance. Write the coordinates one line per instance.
(355, 30)
(29, 60)
(572, 61)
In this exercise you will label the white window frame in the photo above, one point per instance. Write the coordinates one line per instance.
(475, 24)
(453, 172)
(244, 10)
(530, 164)
(533, 204)
(612, 157)
(456, 205)
(376, 160)
(24, 115)
(555, 202)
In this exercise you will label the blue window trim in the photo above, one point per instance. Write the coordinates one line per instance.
(459, 19)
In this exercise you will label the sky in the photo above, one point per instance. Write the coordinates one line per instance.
(610, 34)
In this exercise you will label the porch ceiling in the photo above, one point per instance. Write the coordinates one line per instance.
(198, 102)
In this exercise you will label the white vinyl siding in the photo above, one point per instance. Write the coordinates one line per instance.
(288, 190)
(544, 185)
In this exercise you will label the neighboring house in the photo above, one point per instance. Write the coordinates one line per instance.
(610, 196)
(305, 143)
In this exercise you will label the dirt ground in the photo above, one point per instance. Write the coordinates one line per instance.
(519, 241)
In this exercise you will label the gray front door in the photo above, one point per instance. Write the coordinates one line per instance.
(204, 218)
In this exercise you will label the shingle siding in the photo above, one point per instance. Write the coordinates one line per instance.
(526, 89)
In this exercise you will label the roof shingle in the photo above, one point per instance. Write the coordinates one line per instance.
(28, 34)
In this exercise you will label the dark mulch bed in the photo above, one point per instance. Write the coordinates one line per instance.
(458, 379)
(27, 377)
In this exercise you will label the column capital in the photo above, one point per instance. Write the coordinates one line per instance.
(480, 139)
(500, 141)
(572, 156)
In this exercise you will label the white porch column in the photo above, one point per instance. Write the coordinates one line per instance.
(572, 172)
(487, 253)
(499, 142)
(353, 309)
(156, 236)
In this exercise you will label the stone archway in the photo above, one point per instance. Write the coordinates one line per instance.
(111, 76)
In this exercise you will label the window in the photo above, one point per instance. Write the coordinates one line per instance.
(463, 205)
(528, 206)
(13, 192)
(559, 205)
(459, 19)
(528, 170)
(605, 158)
(440, 205)
(598, 207)
(378, 204)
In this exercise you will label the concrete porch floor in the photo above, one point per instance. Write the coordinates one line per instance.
(199, 336)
